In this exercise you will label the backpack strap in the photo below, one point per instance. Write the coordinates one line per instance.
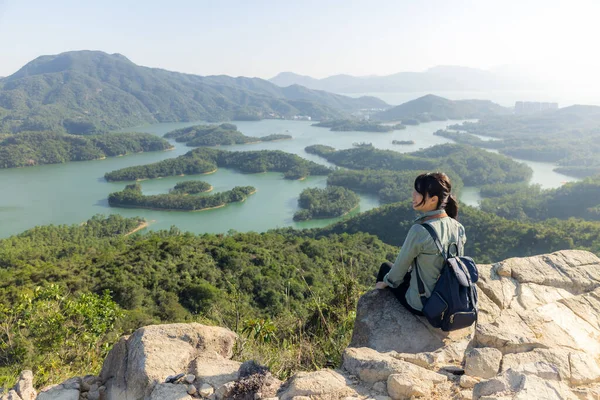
(436, 239)
(438, 244)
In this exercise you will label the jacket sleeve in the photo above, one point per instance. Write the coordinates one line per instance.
(410, 250)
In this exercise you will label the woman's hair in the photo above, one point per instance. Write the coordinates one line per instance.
(437, 184)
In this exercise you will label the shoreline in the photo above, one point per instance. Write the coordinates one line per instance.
(160, 177)
(141, 226)
(339, 216)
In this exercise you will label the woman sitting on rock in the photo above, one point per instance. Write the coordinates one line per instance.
(431, 197)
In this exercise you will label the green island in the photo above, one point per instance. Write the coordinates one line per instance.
(191, 187)
(434, 108)
(331, 202)
(89, 92)
(217, 135)
(530, 202)
(341, 125)
(475, 166)
(207, 160)
(132, 197)
(567, 137)
(402, 142)
(37, 148)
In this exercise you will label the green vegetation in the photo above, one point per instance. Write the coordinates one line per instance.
(475, 166)
(132, 197)
(87, 92)
(434, 108)
(205, 160)
(191, 187)
(35, 148)
(573, 199)
(403, 142)
(567, 136)
(389, 186)
(333, 201)
(340, 125)
(217, 135)
(286, 292)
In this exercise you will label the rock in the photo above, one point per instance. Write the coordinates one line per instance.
(371, 366)
(215, 369)
(483, 362)
(557, 358)
(170, 391)
(401, 387)
(584, 369)
(137, 363)
(58, 393)
(24, 387)
(191, 389)
(316, 383)
(224, 391)
(383, 324)
(467, 382)
(465, 395)
(255, 382)
(93, 394)
(380, 387)
(206, 390)
(189, 378)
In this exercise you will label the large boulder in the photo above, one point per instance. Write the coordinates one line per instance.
(138, 363)
(383, 324)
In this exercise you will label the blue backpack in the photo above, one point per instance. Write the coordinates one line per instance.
(453, 301)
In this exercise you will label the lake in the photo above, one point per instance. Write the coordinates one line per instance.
(73, 192)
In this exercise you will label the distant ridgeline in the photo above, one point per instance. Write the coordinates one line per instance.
(331, 202)
(360, 126)
(206, 160)
(86, 92)
(475, 166)
(177, 200)
(216, 135)
(567, 136)
(35, 148)
(434, 108)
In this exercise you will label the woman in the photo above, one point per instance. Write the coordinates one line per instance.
(431, 197)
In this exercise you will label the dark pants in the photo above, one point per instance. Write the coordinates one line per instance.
(400, 291)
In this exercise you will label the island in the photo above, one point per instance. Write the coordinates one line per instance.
(132, 197)
(217, 135)
(401, 142)
(191, 187)
(36, 148)
(331, 202)
(342, 125)
(207, 160)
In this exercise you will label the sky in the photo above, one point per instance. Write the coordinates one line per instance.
(549, 39)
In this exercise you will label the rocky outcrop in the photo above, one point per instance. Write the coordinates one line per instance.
(538, 337)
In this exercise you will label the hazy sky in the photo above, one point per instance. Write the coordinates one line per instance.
(318, 38)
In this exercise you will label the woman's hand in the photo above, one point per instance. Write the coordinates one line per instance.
(381, 285)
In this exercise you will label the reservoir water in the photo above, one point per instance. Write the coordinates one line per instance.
(73, 192)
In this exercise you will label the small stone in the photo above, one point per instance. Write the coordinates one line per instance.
(467, 382)
(206, 390)
(93, 395)
(191, 389)
(483, 362)
(83, 395)
(85, 386)
(504, 270)
(94, 387)
(466, 394)
(380, 387)
(190, 378)
(399, 387)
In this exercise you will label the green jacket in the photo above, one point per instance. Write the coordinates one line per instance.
(419, 244)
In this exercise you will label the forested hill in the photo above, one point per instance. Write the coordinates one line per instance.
(430, 107)
(84, 92)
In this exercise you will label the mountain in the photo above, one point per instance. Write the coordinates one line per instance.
(432, 107)
(96, 91)
(441, 78)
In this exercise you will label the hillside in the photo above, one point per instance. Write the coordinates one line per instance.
(439, 78)
(430, 107)
(84, 92)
